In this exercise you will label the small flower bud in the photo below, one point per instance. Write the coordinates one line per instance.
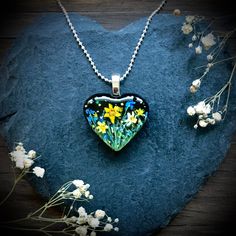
(198, 49)
(203, 123)
(209, 57)
(194, 38)
(193, 89)
(196, 83)
(176, 12)
(217, 116)
(209, 65)
(190, 45)
(191, 111)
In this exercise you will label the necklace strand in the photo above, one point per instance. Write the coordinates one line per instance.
(133, 57)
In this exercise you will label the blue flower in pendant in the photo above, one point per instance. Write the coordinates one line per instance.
(129, 104)
(89, 111)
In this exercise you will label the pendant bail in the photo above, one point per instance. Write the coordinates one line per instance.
(115, 79)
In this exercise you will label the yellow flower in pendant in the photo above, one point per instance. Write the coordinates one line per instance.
(102, 127)
(112, 112)
(140, 112)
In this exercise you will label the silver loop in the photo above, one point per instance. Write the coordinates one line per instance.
(115, 79)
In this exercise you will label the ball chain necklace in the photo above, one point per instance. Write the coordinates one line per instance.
(115, 118)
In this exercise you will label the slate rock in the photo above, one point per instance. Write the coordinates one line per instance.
(45, 80)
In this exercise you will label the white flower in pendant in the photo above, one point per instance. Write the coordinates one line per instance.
(131, 119)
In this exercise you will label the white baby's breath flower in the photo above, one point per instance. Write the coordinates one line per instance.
(207, 109)
(176, 12)
(189, 19)
(73, 219)
(209, 65)
(108, 227)
(203, 123)
(86, 194)
(116, 220)
(209, 57)
(195, 126)
(190, 45)
(208, 41)
(82, 230)
(31, 154)
(81, 210)
(191, 111)
(86, 186)
(83, 216)
(93, 222)
(198, 49)
(202, 108)
(199, 108)
(109, 219)
(28, 163)
(116, 229)
(100, 214)
(193, 89)
(38, 171)
(187, 28)
(77, 193)
(20, 163)
(17, 155)
(78, 183)
(20, 147)
(90, 196)
(217, 116)
(196, 83)
(194, 38)
(82, 220)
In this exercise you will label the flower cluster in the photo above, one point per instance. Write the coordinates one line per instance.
(187, 26)
(81, 189)
(87, 224)
(24, 160)
(208, 110)
(200, 39)
(205, 115)
(76, 221)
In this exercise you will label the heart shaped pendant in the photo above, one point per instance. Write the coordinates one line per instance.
(116, 120)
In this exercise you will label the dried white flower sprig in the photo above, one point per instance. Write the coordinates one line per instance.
(209, 111)
(76, 221)
(23, 161)
(189, 24)
(212, 60)
(200, 39)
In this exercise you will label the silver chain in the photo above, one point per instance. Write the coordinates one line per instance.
(133, 57)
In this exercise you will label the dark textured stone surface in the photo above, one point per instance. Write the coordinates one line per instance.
(46, 79)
